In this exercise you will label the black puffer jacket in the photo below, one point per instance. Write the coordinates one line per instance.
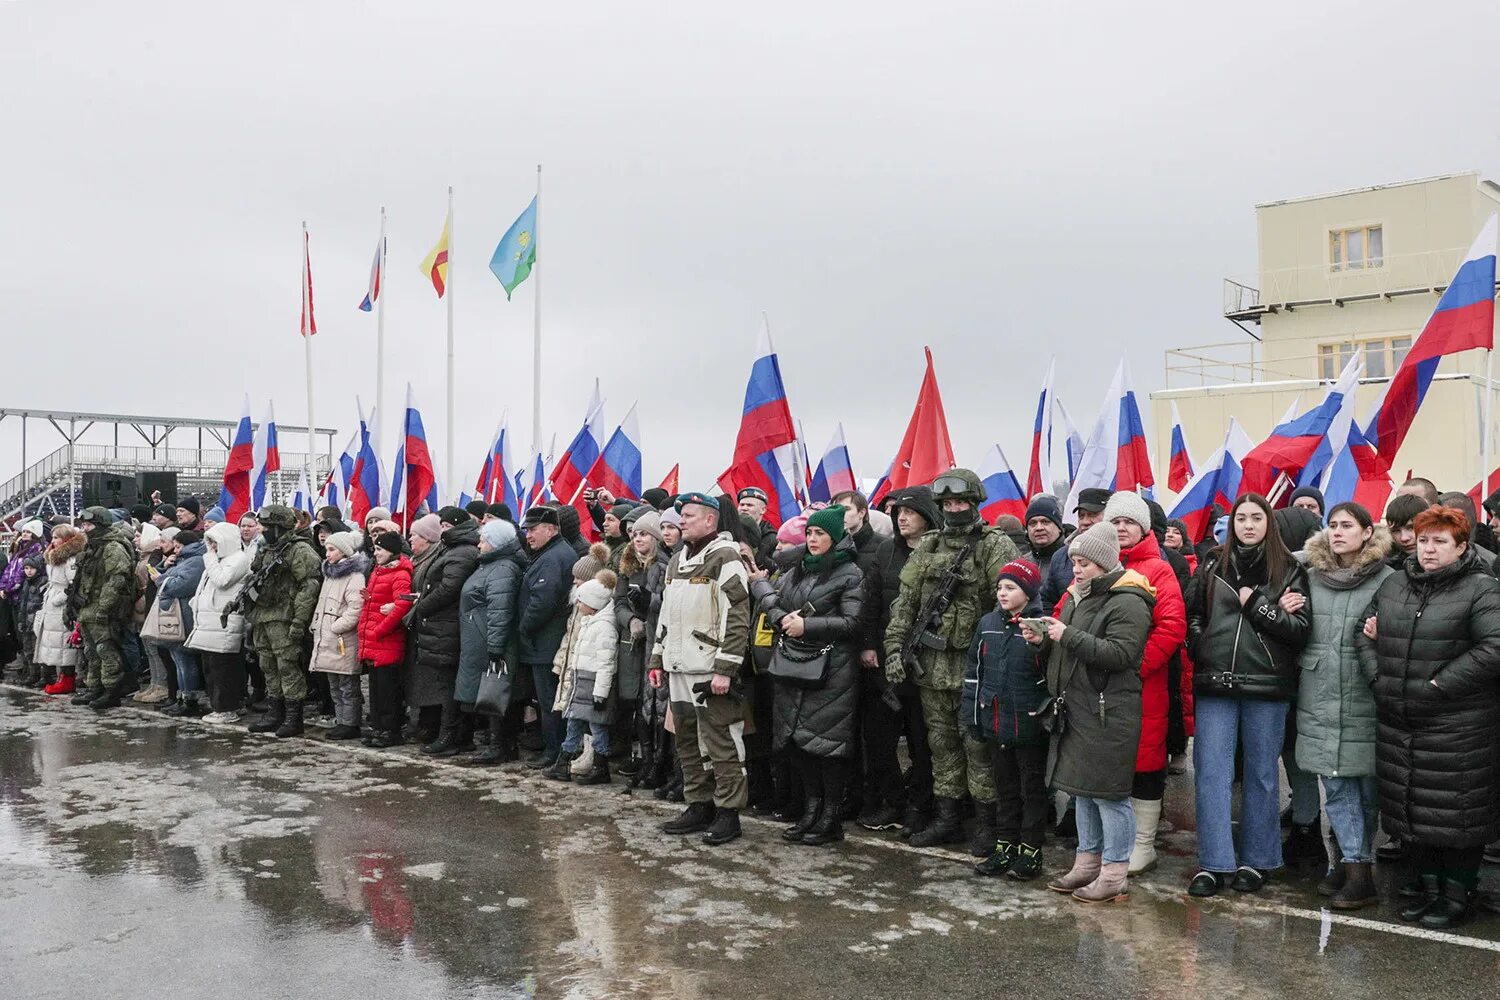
(819, 721)
(637, 596)
(1437, 703)
(544, 600)
(432, 642)
(1249, 650)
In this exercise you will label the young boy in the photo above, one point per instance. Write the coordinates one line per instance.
(585, 666)
(1004, 686)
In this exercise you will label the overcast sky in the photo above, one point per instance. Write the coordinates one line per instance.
(994, 180)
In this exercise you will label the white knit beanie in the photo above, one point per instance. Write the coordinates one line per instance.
(346, 542)
(1126, 503)
(593, 594)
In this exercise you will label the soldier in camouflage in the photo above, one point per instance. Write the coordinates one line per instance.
(959, 761)
(280, 596)
(103, 600)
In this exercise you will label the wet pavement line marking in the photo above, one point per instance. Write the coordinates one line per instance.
(1322, 916)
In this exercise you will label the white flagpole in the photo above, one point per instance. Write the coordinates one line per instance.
(536, 326)
(380, 329)
(1489, 404)
(303, 277)
(450, 466)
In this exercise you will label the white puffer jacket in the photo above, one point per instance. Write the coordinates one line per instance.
(226, 565)
(51, 623)
(585, 664)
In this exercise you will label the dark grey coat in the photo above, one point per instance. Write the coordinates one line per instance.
(432, 643)
(819, 721)
(637, 596)
(487, 617)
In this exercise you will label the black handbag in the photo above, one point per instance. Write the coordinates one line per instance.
(494, 689)
(799, 664)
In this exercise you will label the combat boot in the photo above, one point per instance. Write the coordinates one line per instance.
(274, 717)
(725, 827)
(84, 695)
(982, 840)
(945, 828)
(561, 768)
(598, 774)
(292, 725)
(698, 816)
(108, 697)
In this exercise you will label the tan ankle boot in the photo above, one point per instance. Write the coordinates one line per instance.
(1113, 884)
(1085, 870)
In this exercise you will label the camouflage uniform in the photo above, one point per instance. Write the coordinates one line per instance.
(104, 595)
(959, 762)
(281, 608)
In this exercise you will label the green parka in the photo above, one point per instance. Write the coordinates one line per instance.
(105, 584)
(288, 591)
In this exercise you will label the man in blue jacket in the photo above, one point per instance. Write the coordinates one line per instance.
(543, 611)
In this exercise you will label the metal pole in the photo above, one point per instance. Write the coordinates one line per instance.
(450, 466)
(1489, 405)
(72, 501)
(536, 327)
(380, 329)
(306, 282)
(24, 466)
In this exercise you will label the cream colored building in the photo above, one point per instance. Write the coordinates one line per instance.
(1357, 270)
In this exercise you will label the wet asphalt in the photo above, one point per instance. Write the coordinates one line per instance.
(146, 857)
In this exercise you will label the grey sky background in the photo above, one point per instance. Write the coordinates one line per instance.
(994, 180)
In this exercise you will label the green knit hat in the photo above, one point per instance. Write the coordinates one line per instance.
(831, 520)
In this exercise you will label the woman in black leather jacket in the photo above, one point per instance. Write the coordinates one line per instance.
(1247, 621)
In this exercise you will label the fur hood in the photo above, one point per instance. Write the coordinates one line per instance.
(1318, 555)
(357, 563)
(63, 549)
(227, 537)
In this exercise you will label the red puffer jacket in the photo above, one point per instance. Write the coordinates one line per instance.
(382, 638)
(1168, 629)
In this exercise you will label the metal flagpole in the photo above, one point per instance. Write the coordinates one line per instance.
(536, 326)
(450, 465)
(307, 322)
(380, 332)
(1489, 426)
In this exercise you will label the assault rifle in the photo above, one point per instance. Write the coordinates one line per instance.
(245, 599)
(925, 631)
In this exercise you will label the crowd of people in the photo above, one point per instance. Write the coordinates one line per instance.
(1047, 677)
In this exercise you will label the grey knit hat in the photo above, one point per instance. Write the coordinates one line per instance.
(650, 523)
(1099, 544)
(1129, 504)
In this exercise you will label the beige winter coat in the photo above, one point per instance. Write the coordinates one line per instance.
(335, 621)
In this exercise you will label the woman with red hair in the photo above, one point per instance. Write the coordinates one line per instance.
(1436, 630)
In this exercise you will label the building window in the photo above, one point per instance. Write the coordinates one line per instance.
(1382, 356)
(1356, 249)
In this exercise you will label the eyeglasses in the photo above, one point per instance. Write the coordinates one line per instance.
(947, 485)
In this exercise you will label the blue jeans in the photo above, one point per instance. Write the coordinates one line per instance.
(1105, 826)
(576, 729)
(545, 682)
(1258, 727)
(1353, 811)
(189, 673)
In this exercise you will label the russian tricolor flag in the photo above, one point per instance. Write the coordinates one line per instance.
(1300, 448)
(582, 452)
(538, 490)
(764, 451)
(1002, 490)
(495, 484)
(1220, 481)
(1039, 470)
(835, 473)
(1464, 320)
(234, 496)
(416, 476)
(264, 459)
(366, 481)
(1072, 443)
(619, 466)
(1180, 465)
(335, 492)
(1115, 457)
(377, 270)
(302, 498)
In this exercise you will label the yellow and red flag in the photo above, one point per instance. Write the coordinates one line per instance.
(435, 264)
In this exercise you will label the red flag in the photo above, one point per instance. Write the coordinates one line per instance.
(309, 322)
(926, 451)
(670, 483)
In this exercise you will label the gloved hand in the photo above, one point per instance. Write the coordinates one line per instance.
(895, 670)
(600, 703)
(637, 628)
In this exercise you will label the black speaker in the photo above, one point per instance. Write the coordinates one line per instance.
(110, 489)
(164, 483)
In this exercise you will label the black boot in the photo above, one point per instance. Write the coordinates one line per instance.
(1304, 846)
(292, 724)
(945, 828)
(446, 745)
(761, 788)
(598, 774)
(982, 840)
(494, 751)
(811, 809)
(85, 695)
(1452, 907)
(913, 821)
(562, 767)
(828, 828)
(724, 828)
(696, 817)
(1431, 885)
(274, 717)
(107, 698)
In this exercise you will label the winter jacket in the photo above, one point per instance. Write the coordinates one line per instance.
(544, 600)
(585, 665)
(382, 635)
(1247, 651)
(1335, 705)
(335, 623)
(867, 546)
(432, 643)
(53, 623)
(1437, 703)
(1094, 673)
(29, 600)
(973, 598)
(180, 582)
(637, 598)
(704, 626)
(13, 575)
(1057, 577)
(1005, 685)
(286, 574)
(819, 721)
(487, 617)
(1168, 629)
(225, 570)
(104, 587)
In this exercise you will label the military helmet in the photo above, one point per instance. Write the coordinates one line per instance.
(97, 516)
(278, 515)
(958, 484)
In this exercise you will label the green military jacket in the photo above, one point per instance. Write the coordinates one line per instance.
(105, 586)
(288, 591)
(972, 600)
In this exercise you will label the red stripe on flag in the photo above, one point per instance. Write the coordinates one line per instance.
(437, 277)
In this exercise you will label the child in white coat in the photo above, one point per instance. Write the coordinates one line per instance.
(585, 665)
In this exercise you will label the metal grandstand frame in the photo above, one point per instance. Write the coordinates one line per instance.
(60, 467)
